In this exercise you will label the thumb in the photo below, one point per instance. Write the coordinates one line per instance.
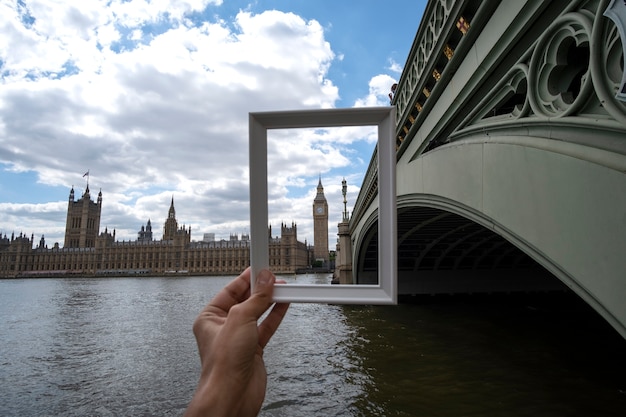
(264, 281)
(261, 298)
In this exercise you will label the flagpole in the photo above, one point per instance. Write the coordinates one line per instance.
(86, 174)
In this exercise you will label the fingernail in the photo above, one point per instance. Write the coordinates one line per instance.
(264, 278)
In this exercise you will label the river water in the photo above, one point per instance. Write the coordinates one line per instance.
(124, 347)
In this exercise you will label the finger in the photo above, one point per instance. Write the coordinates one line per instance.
(261, 298)
(233, 293)
(269, 325)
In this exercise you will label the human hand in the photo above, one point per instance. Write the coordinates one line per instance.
(230, 342)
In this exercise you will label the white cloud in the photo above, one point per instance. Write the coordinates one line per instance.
(41, 217)
(136, 12)
(394, 67)
(165, 114)
(379, 88)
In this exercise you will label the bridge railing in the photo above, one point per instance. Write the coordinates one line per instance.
(368, 190)
(445, 35)
(429, 54)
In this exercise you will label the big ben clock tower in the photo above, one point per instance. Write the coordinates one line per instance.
(320, 225)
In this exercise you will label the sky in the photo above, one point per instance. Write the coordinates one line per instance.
(151, 99)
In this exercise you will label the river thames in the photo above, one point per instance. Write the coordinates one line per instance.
(124, 347)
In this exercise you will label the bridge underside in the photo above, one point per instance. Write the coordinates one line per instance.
(511, 158)
(440, 252)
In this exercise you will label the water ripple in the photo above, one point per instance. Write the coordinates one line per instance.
(124, 346)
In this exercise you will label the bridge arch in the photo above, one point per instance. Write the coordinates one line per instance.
(439, 238)
(366, 256)
(555, 201)
(511, 133)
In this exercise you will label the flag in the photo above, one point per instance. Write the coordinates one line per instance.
(86, 174)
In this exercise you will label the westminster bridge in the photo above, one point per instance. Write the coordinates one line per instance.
(511, 154)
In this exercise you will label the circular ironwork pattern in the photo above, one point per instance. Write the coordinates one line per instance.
(517, 85)
(606, 62)
(559, 81)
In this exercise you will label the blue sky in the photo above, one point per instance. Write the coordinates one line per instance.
(152, 98)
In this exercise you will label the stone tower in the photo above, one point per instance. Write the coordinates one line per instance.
(171, 224)
(83, 221)
(145, 234)
(320, 225)
(171, 231)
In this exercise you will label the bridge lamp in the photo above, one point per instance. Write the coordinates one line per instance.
(344, 191)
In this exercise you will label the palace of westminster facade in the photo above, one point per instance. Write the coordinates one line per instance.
(87, 252)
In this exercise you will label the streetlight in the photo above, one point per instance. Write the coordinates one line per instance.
(344, 191)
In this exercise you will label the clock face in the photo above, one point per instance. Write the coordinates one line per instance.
(319, 209)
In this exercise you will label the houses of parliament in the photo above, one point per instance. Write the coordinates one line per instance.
(88, 252)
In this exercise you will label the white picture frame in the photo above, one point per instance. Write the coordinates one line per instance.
(385, 292)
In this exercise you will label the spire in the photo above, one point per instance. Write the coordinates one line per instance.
(172, 212)
(320, 191)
